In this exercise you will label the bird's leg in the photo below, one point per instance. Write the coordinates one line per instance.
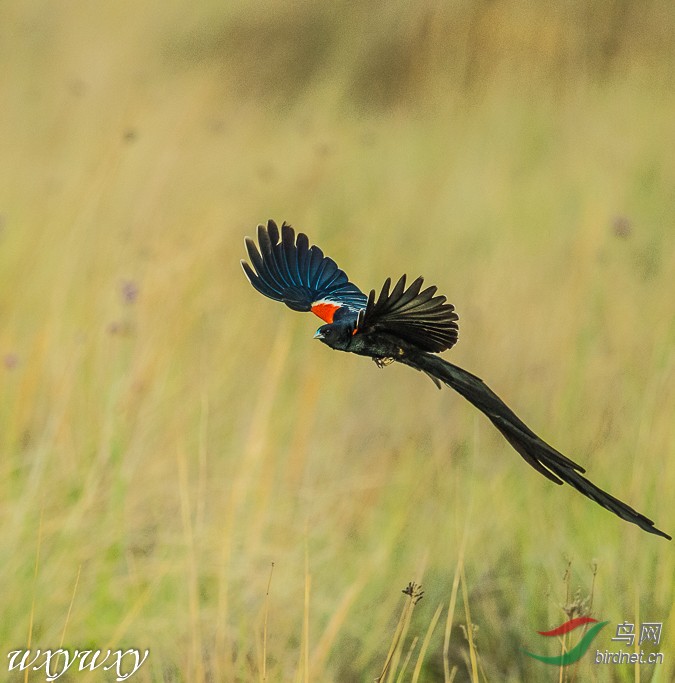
(383, 362)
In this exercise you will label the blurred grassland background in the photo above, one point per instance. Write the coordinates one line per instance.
(167, 434)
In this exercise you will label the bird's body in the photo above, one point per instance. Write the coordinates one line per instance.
(408, 325)
(339, 336)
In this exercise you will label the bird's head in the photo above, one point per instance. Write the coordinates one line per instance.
(337, 335)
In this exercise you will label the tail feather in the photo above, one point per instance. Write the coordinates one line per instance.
(534, 450)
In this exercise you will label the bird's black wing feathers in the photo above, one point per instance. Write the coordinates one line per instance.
(289, 270)
(413, 314)
(536, 452)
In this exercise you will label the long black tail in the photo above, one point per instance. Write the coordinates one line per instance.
(534, 450)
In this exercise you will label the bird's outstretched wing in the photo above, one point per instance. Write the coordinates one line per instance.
(291, 271)
(414, 314)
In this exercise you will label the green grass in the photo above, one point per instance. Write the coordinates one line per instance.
(161, 452)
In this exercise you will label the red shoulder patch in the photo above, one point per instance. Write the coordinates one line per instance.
(325, 310)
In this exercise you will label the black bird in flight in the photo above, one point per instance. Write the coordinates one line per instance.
(409, 325)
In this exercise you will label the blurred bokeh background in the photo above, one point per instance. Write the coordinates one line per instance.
(167, 434)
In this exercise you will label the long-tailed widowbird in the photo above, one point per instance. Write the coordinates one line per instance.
(408, 325)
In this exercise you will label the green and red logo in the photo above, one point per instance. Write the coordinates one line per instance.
(579, 650)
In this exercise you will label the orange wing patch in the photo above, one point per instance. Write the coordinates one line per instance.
(325, 310)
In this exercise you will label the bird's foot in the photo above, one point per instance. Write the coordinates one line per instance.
(383, 362)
